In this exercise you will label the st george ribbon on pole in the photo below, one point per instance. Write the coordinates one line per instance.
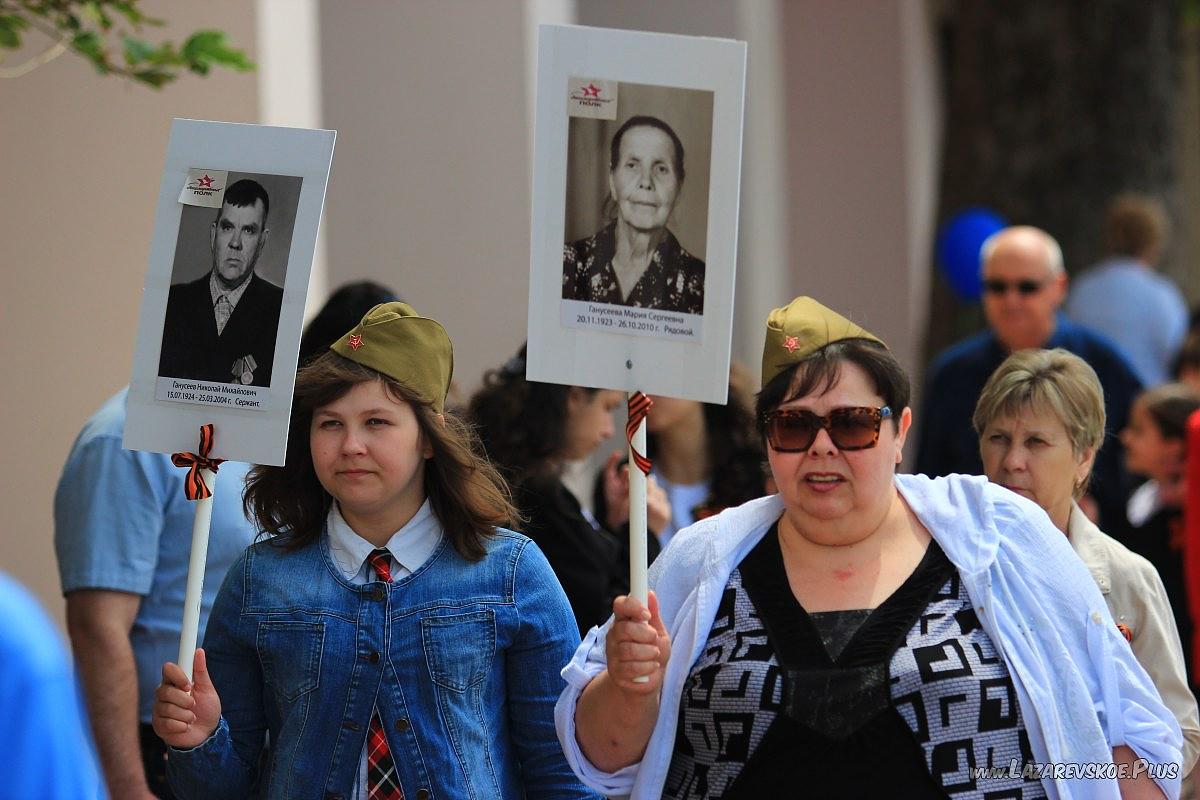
(639, 470)
(198, 486)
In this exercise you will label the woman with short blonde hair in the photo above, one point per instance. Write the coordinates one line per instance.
(1040, 420)
(1055, 380)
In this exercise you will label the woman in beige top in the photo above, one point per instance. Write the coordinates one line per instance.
(1040, 421)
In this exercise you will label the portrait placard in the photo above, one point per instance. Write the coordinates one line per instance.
(637, 170)
(223, 304)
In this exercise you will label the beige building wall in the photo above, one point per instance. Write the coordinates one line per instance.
(429, 192)
(862, 130)
(80, 161)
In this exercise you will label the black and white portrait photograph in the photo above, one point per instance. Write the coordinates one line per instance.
(636, 183)
(222, 307)
(637, 199)
(227, 279)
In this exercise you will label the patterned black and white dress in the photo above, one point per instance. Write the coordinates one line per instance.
(905, 700)
(674, 280)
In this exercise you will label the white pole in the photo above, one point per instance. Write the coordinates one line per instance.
(637, 525)
(195, 582)
(637, 520)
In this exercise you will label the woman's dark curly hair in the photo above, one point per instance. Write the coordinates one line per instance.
(467, 494)
(521, 423)
(734, 451)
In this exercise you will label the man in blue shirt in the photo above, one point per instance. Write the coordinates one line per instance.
(1024, 285)
(1124, 298)
(123, 534)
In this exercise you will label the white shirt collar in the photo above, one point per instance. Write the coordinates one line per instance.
(1143, 503)
(216, 290)
(410, 547)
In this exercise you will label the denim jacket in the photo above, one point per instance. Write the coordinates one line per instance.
(461, 659)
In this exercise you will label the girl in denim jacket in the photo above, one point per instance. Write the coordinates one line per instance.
(389, 640)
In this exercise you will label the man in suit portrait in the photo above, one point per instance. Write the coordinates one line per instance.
(222, 327)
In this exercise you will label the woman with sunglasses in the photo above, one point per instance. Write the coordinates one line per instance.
(862, 634)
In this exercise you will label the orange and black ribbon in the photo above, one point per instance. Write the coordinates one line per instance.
(194, 486)
(639, 409)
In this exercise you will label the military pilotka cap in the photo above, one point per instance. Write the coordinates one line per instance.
(397, 341)
(801, 328)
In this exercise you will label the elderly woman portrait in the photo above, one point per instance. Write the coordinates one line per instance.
(1040, 421)
(862, 634)
(635, 260)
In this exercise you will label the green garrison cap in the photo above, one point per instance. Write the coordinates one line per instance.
(397, 341)
(801, 328)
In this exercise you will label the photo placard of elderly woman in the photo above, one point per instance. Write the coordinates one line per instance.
(635, 260)
(1040, 420)
(863, 634)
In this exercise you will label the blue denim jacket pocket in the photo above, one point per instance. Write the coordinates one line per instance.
(459, 648)
(290, 652)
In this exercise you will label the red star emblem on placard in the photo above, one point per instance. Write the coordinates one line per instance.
(355, 341)
(591, 90)
(205, 182)
(790, 343)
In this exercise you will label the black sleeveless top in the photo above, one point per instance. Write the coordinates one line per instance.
(905, 700)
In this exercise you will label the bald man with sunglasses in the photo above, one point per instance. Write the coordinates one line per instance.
(1024, 284)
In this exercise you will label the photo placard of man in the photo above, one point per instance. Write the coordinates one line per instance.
(222, 326)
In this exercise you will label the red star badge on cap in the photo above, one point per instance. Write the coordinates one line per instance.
(355, 341)
(790, 343)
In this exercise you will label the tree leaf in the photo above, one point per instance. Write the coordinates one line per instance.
(137, 50)
(155, 76)
(89, 44)
(10, 30)
(130, 11)
(208, 47)
(91, 11)
(13, 21)
(88, 26)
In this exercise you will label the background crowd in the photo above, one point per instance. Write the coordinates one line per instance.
(1091, 425)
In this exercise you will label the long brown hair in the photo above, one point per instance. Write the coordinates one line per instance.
(467, 494)
(522, 423)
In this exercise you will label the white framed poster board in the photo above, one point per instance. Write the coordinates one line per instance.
(223, 304)
(637, 172)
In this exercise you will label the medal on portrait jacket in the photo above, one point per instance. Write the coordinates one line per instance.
(243, 369)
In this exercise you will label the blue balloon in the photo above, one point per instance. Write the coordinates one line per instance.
(958, 245)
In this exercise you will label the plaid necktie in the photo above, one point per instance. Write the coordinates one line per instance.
(223, 310)
(382, 782)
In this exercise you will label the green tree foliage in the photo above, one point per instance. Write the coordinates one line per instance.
(108, 33)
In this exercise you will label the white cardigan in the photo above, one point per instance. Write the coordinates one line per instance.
(1136, 598)
(1033, 595)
